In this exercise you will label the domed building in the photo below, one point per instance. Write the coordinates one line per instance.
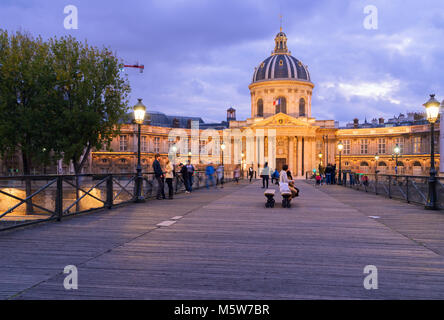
(281, 91)
(281, 83)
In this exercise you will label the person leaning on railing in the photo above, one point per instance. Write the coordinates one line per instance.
(158, 173)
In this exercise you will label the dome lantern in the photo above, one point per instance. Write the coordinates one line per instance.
(281, 44)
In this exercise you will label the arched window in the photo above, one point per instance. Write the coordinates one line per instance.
(364, 164)
(260, 108)
(417, 164)
(281, 105)
(302, 107)
(400, 164)
(382, 164)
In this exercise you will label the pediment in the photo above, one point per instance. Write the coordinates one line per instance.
(281, 120)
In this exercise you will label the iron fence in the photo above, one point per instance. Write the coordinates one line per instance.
(409, 188)
(26, 200)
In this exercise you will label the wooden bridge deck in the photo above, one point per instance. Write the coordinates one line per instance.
(228, 246)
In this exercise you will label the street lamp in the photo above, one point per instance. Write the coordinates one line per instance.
(139, 117)
(242, 165)
(397, 151)
(320, 155)
(432, 110)
(340, 148)
(222, 146)
(376, 163)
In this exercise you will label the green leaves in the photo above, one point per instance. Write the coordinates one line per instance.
(59, 98)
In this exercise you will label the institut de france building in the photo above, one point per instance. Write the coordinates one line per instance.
(281, 111)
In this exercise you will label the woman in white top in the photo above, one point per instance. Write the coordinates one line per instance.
(283, 178)
(169, 175)
(265, 174)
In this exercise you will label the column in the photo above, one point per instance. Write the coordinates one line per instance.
(291, 155)
(299, 159)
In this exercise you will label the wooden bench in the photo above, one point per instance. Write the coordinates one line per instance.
(286, 199)
(269, 193)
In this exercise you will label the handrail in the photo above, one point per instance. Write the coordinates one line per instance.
(50, 197)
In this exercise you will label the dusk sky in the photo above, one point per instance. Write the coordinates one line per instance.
(199, 55)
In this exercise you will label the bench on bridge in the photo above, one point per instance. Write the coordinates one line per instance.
(286, 194)
(269, 193)
(286, 198)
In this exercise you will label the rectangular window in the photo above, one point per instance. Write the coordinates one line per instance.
(123, 142)
(347, 148)
(417, 145)
(364, 146)
(144, 144)
(381, 146)
(202, 146)
(156, 144)
(400, 143)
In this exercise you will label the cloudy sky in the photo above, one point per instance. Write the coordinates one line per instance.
(199, 55)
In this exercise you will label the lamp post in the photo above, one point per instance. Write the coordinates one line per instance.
(376, 163)
(432, 109)
(340, 148)
(320, 155)
(222, 147)
(397, 151)
(139, 117)
(242, 164)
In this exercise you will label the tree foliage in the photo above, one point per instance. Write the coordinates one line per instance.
(59, 98)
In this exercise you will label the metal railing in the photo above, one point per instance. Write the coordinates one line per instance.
(26, 200)
(409, 188)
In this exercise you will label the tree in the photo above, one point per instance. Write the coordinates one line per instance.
(92, 99)
(26, 92)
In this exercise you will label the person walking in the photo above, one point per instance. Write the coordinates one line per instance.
(220, 175)
(236, 174)
(158, 173)
(250, 173)
(184, 174)
(169, 175)
(190, 170)
(265, 174)
(209, 172)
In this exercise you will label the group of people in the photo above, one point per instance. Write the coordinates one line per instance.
(327, 174)
(186, 173)
(283, 178)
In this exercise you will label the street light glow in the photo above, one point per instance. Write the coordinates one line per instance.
(432, 109)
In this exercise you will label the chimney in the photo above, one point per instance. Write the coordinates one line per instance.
(381, 120)
(355, 123)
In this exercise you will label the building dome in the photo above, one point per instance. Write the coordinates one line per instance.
(281, 65)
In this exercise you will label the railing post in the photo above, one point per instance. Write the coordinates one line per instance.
(407, 188)
(376, 183)
(59, 199)
(109, 192)
(390, 187)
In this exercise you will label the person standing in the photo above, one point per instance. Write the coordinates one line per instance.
(250, 173)
(220, 175)
(184, 174)
(169, 175)
(158, 173)
(265, 174)
(190, 170)
(209, 172)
